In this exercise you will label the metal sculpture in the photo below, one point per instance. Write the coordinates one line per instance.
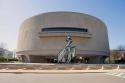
(68, 52)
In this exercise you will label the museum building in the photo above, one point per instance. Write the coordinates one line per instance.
(43, 36)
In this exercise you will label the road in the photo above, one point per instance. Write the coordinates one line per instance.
(60, 78)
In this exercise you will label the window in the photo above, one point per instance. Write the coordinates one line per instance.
(64, 29)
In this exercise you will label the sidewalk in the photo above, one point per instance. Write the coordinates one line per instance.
(59, 71)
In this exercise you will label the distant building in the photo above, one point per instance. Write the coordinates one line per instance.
(9, 54)
(41, 37)
(2, 51)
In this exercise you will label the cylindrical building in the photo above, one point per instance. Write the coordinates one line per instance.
(41, 37)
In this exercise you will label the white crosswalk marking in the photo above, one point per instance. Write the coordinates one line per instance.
(118, 74)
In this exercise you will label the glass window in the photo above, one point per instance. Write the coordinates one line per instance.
(64, 29)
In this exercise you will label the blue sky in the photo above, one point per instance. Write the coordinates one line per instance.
(13, 12)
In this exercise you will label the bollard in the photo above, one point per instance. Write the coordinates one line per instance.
(102, 68)
(118, 67)
(87, 68)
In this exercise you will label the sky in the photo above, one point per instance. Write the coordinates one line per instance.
(14, 12)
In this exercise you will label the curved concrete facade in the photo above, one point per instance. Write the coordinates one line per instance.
(33, 43)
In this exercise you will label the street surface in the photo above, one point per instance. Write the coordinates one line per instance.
(62, 78)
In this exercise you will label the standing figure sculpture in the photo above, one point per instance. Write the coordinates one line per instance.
(68, 53)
